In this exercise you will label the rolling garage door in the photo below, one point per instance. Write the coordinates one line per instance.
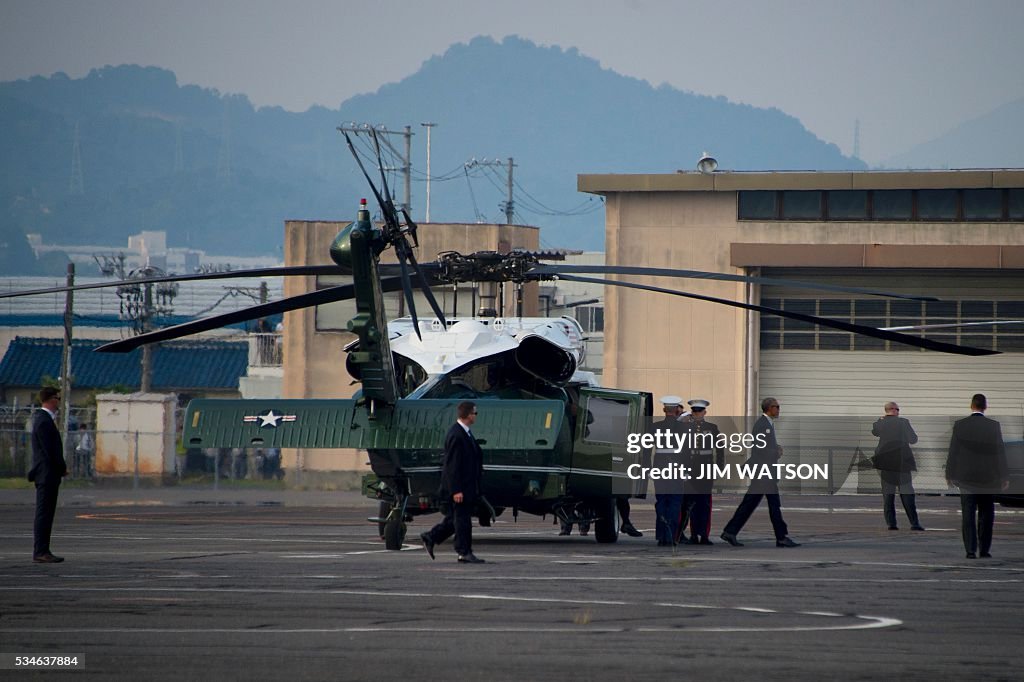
(831, 396)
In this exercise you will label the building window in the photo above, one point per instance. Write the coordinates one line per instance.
(780, 333)
(936, 204)
(848, 205)
(925, 205)
(892, 204)
(983, 204)
(591, 318)
(1016, 204)
(758, 205)
(801, 205)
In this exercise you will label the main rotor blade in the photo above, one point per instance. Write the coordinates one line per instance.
(400, 248)
(284, 271)
(390, 216)
(823, 321)
(700, 274)
(355, 155)
(425, 288)
(313, 298)
(952, 325)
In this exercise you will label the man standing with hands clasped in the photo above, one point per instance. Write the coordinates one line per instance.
(461, 471)
(48, 468)
(977, 465)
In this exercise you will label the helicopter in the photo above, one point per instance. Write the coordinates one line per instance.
(553, 440)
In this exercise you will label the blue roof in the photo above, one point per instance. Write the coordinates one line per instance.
(177, 366)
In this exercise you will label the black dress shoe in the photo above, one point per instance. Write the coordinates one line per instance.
(630, 530)
(694, 540)
(893, 527)
(731, 539)
(918, 527)
(470, 559)
(970, 555)
(428, 544)
(985, 555)
(47, 559)
(786, 542)
(564, 531)
(706, 541)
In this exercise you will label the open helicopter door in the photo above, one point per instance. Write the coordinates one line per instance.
(605, 417)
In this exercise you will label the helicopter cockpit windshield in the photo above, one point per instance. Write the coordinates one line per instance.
(493, 377)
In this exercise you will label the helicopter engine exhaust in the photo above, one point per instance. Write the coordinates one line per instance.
(545, 360)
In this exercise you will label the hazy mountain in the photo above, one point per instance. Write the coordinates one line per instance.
(220, 175)
(991, 141)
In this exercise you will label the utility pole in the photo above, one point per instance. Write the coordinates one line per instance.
(65, 363)
(405, 159)
(508, 205)
(428, 126)
(140, 306)
(146, 381)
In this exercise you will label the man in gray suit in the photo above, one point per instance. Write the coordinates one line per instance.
(48, 468)
(977, 465)
(895, 460)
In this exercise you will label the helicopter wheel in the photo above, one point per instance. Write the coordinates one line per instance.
(606, 527)
(394, 533)
(383, 510)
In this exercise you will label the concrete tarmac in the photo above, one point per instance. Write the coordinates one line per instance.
(269, 585)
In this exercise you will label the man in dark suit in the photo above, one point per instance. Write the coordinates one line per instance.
(461, 472)
(48, 468)
(977, 465)
(895, 460)
(769, 454)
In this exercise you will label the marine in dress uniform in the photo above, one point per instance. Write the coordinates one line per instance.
(668, 493)
(697, 498)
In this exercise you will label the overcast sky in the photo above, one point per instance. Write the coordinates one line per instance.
(910, 70)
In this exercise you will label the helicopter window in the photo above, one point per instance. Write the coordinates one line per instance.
(409, 374)
(610, 420)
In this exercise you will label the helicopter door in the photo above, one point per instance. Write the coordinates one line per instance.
(605, 417)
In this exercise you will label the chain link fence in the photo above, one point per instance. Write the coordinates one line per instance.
(207, 466)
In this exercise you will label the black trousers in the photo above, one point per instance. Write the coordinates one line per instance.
(747, 507)
(891, 482)
(46, 508)
(978, 514)
(457, 521)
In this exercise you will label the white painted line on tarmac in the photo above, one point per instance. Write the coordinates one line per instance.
(872, 622)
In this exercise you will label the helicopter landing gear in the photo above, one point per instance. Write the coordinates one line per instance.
(394, 523)
(394, 533)
(606, 526)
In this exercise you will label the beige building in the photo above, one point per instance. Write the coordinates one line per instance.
(957, 235)
(314, 363)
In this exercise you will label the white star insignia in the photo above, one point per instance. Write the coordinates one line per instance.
(269, 419)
